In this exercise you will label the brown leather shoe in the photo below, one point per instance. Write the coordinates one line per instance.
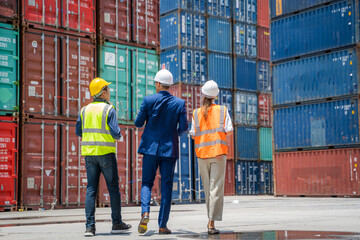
(142, 228)
(164, 230)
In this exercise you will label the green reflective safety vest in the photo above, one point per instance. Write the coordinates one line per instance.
(96, 137)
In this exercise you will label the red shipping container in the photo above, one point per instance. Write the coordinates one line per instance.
(75, 17)
(230, 178)
(57, 71)
(289, 235)
(53, 171)
(264, 105)
(263, 13)
(231, 150)
(331, 172)
(263, 36)
(123, 164)
(8, 163)
(9, 9)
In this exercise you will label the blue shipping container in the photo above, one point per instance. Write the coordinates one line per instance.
(186, 65)
(245, 74)
(182, 29)
(245, 40)
(263, 77)
(220, 69)
(219, 8)
(281, 7)
(245, 11)
(199, 190)
(189, 5)
(182, 182)
(324, 76)
(266, 178)
(247, 143)
(334, 123)
(316, 30)
(225, 98)
(247, 178)
(246, 105)
(219, 35)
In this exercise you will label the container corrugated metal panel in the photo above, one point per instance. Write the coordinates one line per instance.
(9, 70)
(323, 76)
(231, 146)
(245, 42)
(219, 8)
(340, 19)
(246, 106)
(245, 11)
(265, 142)
(264, 103)
(187, 65)
(229, 188)
(263, 38)
(182, 183)
(220, 69)
(334, 123)
(318, 173)
(183, 29)
(75, 17)
(123, 158)
(53, 169)
(263, 13)
(57, 71)
(9, 9)
(199, 189)
(190, 5)
(266, 178)
(281, 7)
(245, 74)
(219, 35)
(8, 163)
(247, 178)
(247, 143)
(225, 98)
(263, 77)
(311, 234)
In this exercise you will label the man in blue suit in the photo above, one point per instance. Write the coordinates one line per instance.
(165, 119)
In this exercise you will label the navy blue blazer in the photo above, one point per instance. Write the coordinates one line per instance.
(165, 118)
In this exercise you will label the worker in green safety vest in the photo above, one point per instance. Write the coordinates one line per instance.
(98, 127)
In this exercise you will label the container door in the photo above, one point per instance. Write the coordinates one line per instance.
(43, 12)
(79, 15)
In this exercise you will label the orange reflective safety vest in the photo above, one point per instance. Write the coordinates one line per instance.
(210, 136)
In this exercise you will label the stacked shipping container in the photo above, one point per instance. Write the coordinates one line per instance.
(315, 77)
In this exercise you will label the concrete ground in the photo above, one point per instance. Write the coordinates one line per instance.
(245, 217)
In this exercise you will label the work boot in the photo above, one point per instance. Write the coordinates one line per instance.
(120, 227)
(90, 232)
(142, 228)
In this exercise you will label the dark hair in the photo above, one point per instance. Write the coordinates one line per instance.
(206, 103)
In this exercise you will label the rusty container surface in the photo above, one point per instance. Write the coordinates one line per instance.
(332, 172)
(263, 18)
(57, 71)
(229, 178)
(72, 17)
(136, 165)
(264, 111)
(263, 36)
(8, 163)
(9, 9)
(53, 171)
(231, 148)
(123, 165)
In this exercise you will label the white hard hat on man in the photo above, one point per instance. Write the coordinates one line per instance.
(164, 77)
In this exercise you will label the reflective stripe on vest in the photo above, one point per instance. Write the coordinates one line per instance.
(96, 136)
(212, 142)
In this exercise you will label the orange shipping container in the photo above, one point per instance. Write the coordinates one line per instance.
(230, 178)
(263, 13)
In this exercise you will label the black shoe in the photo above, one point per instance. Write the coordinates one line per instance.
(120, 227)
(90, 232)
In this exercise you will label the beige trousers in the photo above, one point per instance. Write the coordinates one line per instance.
(212, 171)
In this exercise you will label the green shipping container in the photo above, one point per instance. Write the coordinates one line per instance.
(131, 72)
(270, 235)
(265, 144)
(9, 69)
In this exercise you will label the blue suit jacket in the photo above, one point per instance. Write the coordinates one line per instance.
(165, 118)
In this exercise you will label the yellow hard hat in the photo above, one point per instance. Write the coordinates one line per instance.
(96, 85)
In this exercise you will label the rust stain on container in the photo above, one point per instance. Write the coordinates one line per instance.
(230, 178)
(332, 172)
(263, 36)
(264, 103)
(57, 71)
(9, 9)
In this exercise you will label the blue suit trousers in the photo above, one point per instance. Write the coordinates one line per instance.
(167, 167)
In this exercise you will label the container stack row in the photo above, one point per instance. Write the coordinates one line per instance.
(228, 42)
(315, 73)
